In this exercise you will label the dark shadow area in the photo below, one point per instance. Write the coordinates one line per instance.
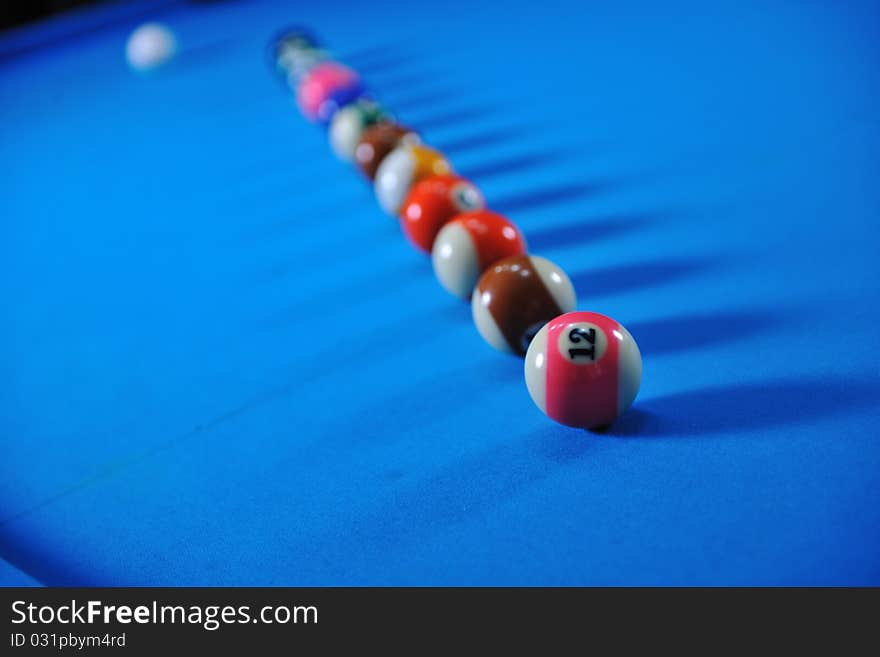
(509, 164)
(548, 196)
(623, 278)
(685, 332)
(451, 117)
(69, 31)
(13, 14)
(745, 407)
(480, 140)
(43, 563)
(587, 231)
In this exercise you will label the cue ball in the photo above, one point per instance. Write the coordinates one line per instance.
(377, 142)
(348, 126)
(583, 369)
(434, 201)
(401, 169)
(468, 244)
(515, 297)
(150, 46)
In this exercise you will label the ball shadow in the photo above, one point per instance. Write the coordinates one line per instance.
(624, 278)
(408, 81)
(744, 407)
(451, 117)
(686, 332)
(42, 562)
(550, 195)
(510, 164)
(481, 140)
(375, 59)
(587, 230)
(415, 102)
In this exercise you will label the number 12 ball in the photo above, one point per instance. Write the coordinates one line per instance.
(583, 370)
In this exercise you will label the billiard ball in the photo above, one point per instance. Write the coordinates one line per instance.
(401, 169)
(150, 46)
(468, 244)
(296, 39)
(340, 98)
(298, 65)
(583, 369)
(516, 296)
(377, 142)
(316, 88)
(349, 124)
(296, 51)
(434, 201)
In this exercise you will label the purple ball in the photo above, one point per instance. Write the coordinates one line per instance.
(338, 99)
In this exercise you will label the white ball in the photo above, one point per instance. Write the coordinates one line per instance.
(393, 179)
(345, 132)
(455, 260)
(401, 168)
(349, 123)
(149, 46)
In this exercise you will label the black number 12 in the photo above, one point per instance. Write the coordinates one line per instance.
(576, 336)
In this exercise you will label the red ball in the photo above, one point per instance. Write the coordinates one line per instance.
(434, 201)
(468, 244)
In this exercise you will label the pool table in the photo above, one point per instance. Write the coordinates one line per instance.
(222, 364)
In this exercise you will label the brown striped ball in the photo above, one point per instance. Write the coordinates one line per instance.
(516, 296)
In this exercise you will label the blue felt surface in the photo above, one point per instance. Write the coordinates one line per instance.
(12, 576)
(221, 364)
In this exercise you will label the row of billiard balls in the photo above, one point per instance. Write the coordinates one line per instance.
(582, 369)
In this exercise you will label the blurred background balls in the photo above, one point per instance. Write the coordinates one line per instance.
(349, 124)
(151, 45)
